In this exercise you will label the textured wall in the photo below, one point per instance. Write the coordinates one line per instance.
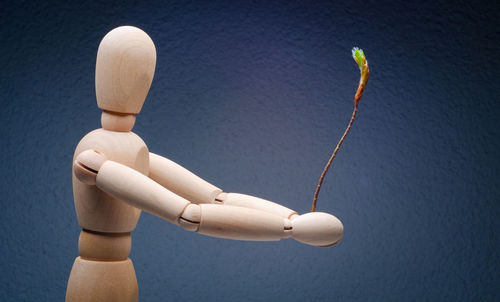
(252, 97)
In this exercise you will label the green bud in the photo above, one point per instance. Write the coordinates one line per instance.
(359, 56)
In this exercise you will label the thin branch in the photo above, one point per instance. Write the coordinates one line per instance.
(320, 182)
(360, 59)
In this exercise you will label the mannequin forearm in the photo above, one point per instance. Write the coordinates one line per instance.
(247, 201)
(193, 188)
(181, 181)
(140, 191)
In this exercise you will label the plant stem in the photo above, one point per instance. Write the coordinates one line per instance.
(360, 59)
(318, 187)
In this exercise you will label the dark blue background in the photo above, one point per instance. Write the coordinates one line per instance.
(253, 97)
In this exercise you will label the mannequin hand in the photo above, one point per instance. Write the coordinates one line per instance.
(317, 228)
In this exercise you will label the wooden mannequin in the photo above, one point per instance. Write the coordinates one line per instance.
(115, 177)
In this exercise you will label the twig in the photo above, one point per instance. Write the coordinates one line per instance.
(359, 57)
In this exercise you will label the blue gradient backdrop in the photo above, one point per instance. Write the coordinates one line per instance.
(253, 97)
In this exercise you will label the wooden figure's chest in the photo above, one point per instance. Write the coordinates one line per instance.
(96, 210)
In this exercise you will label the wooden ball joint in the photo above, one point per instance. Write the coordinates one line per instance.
(115, 177)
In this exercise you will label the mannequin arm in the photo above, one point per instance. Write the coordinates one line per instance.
(181, 181)
(232, 222)
(188, 185)
(142, 192)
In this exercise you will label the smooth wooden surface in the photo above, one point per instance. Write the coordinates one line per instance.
(86, 165)
(190, 218)
(96, 210)
(240, 223)
(125, 67)
(93, 159)
(318, 229)
(181, 181)
(102, 281)
(252, 202)
(140, 191)
(104, 246)
(119, 122)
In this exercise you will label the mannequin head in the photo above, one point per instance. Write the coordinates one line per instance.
(124, 70)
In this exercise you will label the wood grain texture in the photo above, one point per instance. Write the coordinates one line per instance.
(252, 202)
(104, 246)
(181, 181)
(125, 67)
(240, 223)
(114, 121)
(102, 281)
(96, 210)
(140, 191)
